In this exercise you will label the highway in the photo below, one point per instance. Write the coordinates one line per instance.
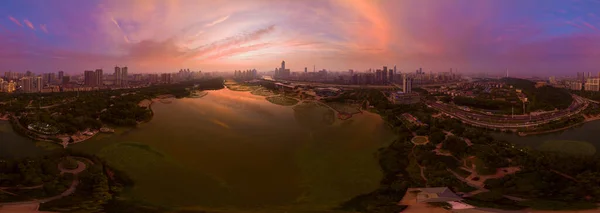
(508, 122)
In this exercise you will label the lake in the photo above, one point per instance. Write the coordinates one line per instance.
(233, 150)
(588, 132)
(13, 145)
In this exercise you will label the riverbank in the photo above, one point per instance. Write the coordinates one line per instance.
(587, 119)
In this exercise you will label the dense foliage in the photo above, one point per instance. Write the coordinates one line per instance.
(482, 103)
(84, 110)
(542, 98)
(540, 180)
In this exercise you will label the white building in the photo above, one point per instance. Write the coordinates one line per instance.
(592, 84)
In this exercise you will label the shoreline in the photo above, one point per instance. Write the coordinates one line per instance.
(587, 119)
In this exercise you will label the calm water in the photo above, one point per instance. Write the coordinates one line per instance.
(588, 132)
(13, 145)
(234, 150)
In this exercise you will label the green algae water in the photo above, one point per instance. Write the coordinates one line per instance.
(236, 151)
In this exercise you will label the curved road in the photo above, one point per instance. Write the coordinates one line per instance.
(491, 121)
(80, 168)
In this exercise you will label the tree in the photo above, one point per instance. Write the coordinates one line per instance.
(437, 137)
(455, 145)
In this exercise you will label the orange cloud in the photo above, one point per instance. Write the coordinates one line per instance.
(15, 21)
(29, 24)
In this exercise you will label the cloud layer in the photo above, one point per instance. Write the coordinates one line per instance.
(531, 37)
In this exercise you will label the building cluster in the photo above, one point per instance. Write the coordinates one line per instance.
(584, 81)
(245, 74)
(282, 72)
(90, 80)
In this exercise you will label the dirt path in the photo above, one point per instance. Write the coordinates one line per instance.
(480, 182)
(564, 175)
(412, 152)
(26, 204)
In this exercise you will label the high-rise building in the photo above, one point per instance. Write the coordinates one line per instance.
(406, 84)
(28, 74)
(38, 84)
(385, 75)
(26, 84)
(305, 69)
(99, 77)
(90, 78)
(165, 78)
(61, 74)
(125, 77)
(66, 79)
(592, 84)
(153, 78)
(391, 75)
(118, 76)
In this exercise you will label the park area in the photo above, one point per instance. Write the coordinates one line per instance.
(344, 108)
(262, 92)
(282, 100)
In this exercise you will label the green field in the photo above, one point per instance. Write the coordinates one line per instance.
(344, 108)
(568, 147)
(262, 92)
(282, 100)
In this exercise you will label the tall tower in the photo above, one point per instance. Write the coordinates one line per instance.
(99, 77)
(38, 84)
(117, 75)
(506, 73)
(90, 78)
(124, 76)
(283, 65)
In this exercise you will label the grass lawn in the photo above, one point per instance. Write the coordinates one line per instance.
(262, 92)
(568, 147)
(344, 108)
(420, 140)
(282, 100)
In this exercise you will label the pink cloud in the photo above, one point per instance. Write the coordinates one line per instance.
(29, 24)
(592, 27)
(44, 28)
(14, 20)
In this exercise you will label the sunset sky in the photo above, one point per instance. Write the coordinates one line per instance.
(534, 37)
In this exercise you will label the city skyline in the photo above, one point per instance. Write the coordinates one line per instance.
(528, 38)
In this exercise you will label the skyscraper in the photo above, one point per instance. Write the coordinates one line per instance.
(391, 75)
(26, 84)
(90, 78)
(166, 78)
(117, 76)
(61, 74)
(99, 77)
(305, 69)
(38, 84)
(66, 79)
(406, 84)
(124, 77)
(385, 75)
